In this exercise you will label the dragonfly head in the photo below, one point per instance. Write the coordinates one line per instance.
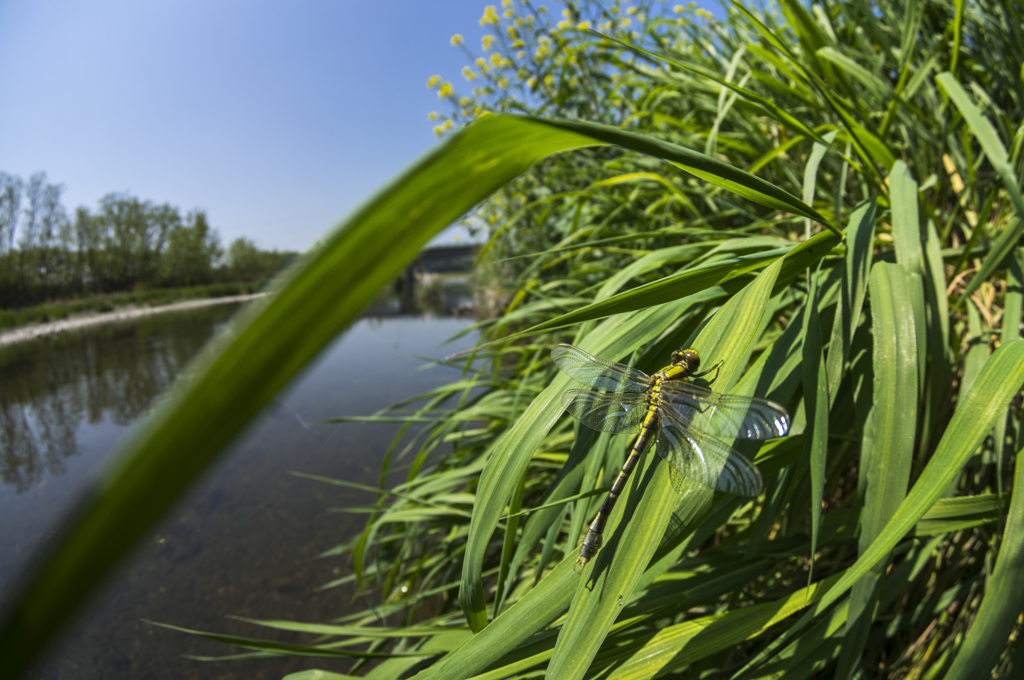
(687, 359)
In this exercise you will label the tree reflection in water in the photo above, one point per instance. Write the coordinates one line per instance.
(50, 386)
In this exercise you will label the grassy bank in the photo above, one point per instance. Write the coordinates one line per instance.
(62, 309)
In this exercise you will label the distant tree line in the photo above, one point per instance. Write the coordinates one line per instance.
(126, 244)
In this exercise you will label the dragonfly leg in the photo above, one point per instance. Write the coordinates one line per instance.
(713, 368)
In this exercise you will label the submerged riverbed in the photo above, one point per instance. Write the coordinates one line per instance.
(243, 541)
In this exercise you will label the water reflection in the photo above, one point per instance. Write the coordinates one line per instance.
(111, 374)
(243, 540)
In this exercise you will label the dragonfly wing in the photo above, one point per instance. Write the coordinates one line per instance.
(725, 415)
(702, 458)
(598, 373)
(606, 412)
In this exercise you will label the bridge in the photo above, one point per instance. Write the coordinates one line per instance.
(445, 259)
(452, 259)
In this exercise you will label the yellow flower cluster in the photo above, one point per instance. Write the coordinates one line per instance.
(443, 128)
(446, 90)
(490, 16)
(433, 82)
(703, 13)
(506, 3)
(583, 25)
(432, 115)
(487, 42)
(468, 73)
(457, 40)
(561, 25)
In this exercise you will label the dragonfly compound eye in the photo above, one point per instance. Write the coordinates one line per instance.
(691, 359)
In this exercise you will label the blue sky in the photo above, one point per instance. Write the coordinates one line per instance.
(276, 118)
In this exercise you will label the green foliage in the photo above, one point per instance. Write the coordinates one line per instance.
(127, 245)
(896, 349)
(245, 262)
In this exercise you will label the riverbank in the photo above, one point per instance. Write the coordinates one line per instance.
(26, 333)
(58, 310)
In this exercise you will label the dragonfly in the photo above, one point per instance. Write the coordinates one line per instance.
(687, 421)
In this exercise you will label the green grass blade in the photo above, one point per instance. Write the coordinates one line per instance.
(689, 283)
(259, 355)
(298, 650)
(664, 290)
(316, 674)
(878, 86)
(906, 229)
(986, 136)
(975, 416)
(937, 302)
(1004, 596)
(1001, 249)
(779, 112)
(1014, 297)
(562, 490)
(962, 512)
(816, 400)
(958, 28)
(683, 644)
(710, 169)
(534, 612)
(977, 348)
(859, 240)
(811, 171)
(891, 441)
(908, 242)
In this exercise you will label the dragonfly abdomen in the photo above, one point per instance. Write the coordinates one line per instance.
(592, 543)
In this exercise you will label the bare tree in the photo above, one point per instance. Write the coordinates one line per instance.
(10, 207)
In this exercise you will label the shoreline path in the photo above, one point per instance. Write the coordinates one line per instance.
(26, 333)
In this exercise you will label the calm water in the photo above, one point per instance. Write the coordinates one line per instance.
(243, 541)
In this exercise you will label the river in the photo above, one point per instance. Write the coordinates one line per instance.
(242, 542)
